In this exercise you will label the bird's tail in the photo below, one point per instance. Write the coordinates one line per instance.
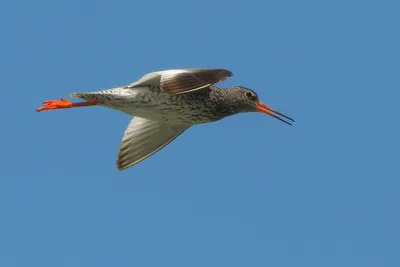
(100, 95)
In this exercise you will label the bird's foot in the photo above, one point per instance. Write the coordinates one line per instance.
(64, 103)
(55, 104)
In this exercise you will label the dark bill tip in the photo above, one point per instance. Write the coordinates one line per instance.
(273, 113)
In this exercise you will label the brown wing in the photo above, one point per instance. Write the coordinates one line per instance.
(191, 79)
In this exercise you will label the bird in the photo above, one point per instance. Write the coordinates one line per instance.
(166, 103)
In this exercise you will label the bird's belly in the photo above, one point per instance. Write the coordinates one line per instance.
(173, 109)
(168, 115)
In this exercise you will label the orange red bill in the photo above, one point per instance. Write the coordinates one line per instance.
(272, 112)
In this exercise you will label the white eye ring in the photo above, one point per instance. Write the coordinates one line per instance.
(248, 94)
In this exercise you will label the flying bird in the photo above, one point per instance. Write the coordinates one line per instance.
(165, 104)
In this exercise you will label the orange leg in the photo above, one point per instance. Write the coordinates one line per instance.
(64, 103)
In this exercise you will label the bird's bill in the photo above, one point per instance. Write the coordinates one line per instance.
(261, 107)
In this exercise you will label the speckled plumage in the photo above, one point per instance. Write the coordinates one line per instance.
(202, 106)
(167, 103)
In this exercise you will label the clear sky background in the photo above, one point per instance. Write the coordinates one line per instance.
(245, 191)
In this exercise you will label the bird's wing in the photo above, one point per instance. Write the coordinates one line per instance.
(143, 138)
(182, 81)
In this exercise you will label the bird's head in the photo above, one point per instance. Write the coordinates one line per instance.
(246, 100)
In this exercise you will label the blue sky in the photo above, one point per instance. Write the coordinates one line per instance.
(246, 191)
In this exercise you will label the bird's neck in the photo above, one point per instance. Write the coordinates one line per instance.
(225, 100)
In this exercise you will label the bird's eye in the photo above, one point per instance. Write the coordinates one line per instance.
(249, 95)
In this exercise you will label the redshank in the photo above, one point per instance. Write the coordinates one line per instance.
(165, 104)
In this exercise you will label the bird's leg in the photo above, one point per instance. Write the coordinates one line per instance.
(64, 103)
